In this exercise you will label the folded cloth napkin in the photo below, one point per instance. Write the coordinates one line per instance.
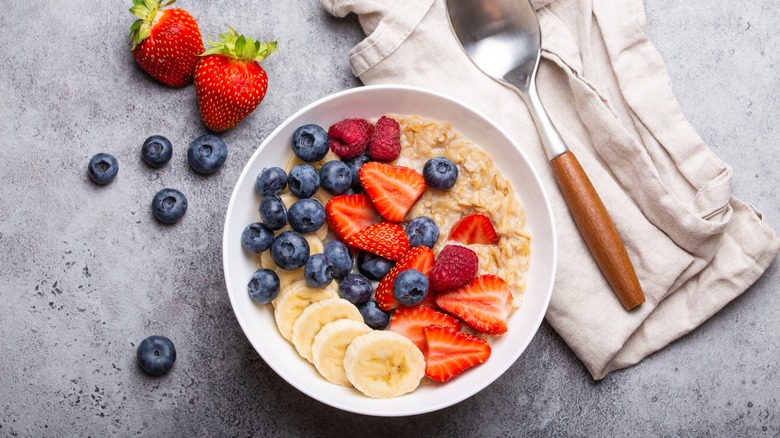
(694, 246)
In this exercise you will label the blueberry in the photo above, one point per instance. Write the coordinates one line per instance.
(354, 165)
(206, 154)
(290, 250)
(256, 238)
(156, 354)
(355, 288)
(338, 253)
(273, 212)
(440, 173)
(310, 143)
(336, 177)
(169, 205)
(303, 181)
(422, 231)
(306, 215)
(410, 287)
(318, 271)
(374, 266)
(102, 168)
(271, 181)
(156, 151)
(263, 287)
(373, 316)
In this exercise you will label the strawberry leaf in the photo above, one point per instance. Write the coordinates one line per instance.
(140, 11)
(239, 45)
(138, 2)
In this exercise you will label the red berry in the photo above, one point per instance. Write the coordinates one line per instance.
(455, 266)
(384, 239)
(474, 228)
(483, 304)
(348, 214)
(349, 137)
(420, 258)
(410, 322)
(450, 352)
(392, 189)
(385, 144)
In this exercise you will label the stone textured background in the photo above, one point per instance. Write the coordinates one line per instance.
(87, 273)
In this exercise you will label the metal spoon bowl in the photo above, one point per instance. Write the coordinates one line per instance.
(503, 39)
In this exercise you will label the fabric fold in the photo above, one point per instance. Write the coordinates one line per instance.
(694, 246)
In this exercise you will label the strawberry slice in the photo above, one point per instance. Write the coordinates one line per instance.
(384, 239)
(410, 322)
(450, 352)
(392, 189)
(474, 228)
(483, 304)
(348, 214)
(420, 258)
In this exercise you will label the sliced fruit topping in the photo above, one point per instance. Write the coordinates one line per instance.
(383, 364)
(385, 143)
(384, 239)
(349, 137)
(348, 214)
(392, 189)
(474, 228)
(483, 304)
(455, 266)
(420, 258)
(451, 352)
(410, 322)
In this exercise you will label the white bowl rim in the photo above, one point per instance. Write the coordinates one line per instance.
(548, 211)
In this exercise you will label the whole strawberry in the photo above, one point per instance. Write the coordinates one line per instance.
(166, 42)
(229, 82)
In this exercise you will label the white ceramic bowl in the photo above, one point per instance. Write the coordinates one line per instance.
(371, 102)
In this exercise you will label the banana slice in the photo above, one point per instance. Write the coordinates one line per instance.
(331, 344)
(384, 364)
(288, 199)
(315, 243)
(315, 317)
(267, 261)
(287, 278)
(291, 302)
(323, 196)
(322, 233)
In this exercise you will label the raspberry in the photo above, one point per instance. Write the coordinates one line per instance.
(455, 266)
(386, 142)
(349, 137)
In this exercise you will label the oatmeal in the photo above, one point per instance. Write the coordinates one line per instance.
(480, 188)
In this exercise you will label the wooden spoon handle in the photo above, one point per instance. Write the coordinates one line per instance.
(597, 229)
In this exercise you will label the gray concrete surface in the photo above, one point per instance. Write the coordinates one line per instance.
(86, 272)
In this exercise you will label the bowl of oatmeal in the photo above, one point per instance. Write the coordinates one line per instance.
(495, 179)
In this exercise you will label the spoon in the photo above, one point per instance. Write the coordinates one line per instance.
(503, 39)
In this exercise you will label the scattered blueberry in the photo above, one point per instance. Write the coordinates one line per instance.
(373, 316)
(303, 180)
(264, 286)
(102, 168)
(156, 354)
(355, 288)
(318, 271)
(289, 250)
(336, 177)
(422, 231)
(169, 205)
(306, 215)
(273, 212)
(354, 165)
(410, 287)
(338, 253)
(207, 153)
(271, 181)
(310, 143)
(156, 151)
(440, 173)
(374, 266)
(256, 238)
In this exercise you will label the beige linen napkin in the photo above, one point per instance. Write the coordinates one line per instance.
(694, 246)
